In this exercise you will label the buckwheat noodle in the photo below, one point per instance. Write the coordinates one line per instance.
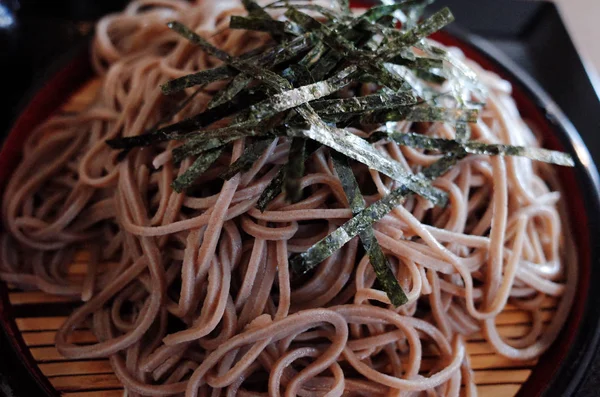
(192, 293)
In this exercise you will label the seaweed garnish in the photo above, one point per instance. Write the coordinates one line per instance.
(252, 153)
(367, 103)
(324, 248)
(489, 149)
(298, 96)
(154, 130)
(272, 26)
(306, 85)
(422, 113)
(358, 149)
(190, 80)
(198, 168)
(379, 261)
(295, 169)
(255, 10)
(273, 189)
(268, 59)
(180, 130)
(223, 135)
(287, 179)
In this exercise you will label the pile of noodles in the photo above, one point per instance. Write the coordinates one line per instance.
(191, 293)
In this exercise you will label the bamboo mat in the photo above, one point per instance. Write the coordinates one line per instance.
(495, 375)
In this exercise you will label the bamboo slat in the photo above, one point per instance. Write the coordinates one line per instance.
(496, 376)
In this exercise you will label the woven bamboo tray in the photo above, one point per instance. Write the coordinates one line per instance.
(495, 375)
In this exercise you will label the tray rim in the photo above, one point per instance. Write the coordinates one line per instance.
(73, 69)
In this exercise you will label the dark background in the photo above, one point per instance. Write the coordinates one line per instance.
(35, 33)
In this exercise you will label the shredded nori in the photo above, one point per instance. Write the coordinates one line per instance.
(272, 26)
(431, 25)
(252, 153)
(269, 58)
(255, 10)
(358, 149)
(292, 87)
(472, 147)
(323, 249)
(219, 135)
(273, 189)
(364, 103)
(296, 97)
(378, 260)
(181, 129)
(190, 80)
(422, 113)
(295, 169)
(198, 168)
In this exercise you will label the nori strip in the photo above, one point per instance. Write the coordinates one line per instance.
(298, 75)
(364, 103)
(199, 166)
(239, 83)
(423, 113)
(345, 6)
(298, 96)
(441, 166)
(431, 25)
(154, 130)
(313, 56)
(299, 146)
(377, 12)
(272, 26)
(247, 159)
(295, 169)
(348, 50)
(286, 51)
(255, 10)
(325, 65)
(266, 76)
(327, 35)
(272, 190)
(209, 75)
(490, 149)
(460, 75)
(203, 77)
(432, 113)
(417, 62)
(235, 86)
(198, 40)
(379, 261)
(200, 147)
(326, 12)
(225, 135)
(323, 249)
(276, 55)
(180, 129)
(358, 149)
(430, 77)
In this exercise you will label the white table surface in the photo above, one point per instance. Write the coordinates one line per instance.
(582, 18)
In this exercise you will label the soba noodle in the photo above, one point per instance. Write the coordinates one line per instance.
(192, 293)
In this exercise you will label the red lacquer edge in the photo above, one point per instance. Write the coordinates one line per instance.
(44, 102)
